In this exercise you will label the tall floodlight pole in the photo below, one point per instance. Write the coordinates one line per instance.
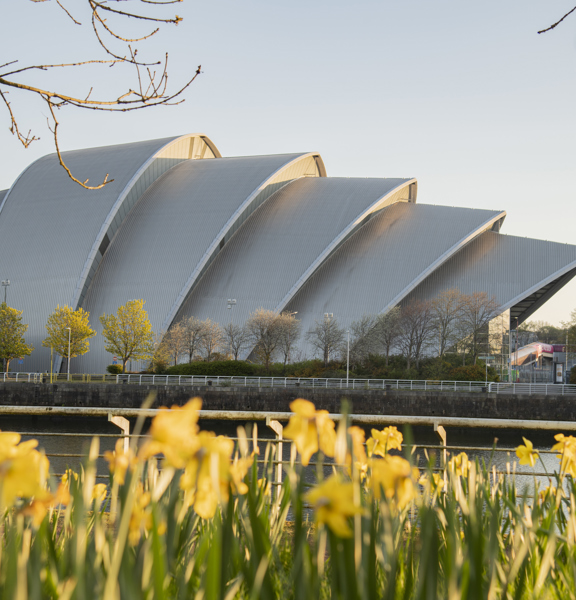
(69, 336)
(566, 349)
(231, 303)
(5, 284)
(517, 365)
(347, 357)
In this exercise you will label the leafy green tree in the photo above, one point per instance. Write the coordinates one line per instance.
(12, 330)
(57, 326)
(129, 333)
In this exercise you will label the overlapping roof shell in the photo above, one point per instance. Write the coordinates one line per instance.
(186, 234)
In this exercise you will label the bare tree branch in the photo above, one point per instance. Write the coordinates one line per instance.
(558, 22)
(151, 85)
(68, 12)
(54, 131)
(26, 140)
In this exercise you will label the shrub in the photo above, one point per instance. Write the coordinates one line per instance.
(473, 373)
(114, 369)
(216, 368)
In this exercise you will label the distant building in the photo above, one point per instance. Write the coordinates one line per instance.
(186, 230)
(541, 363)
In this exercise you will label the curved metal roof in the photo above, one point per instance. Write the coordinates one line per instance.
(510, 268)
(276, 251)
(176, 230)
(53, 232)
(386, 259)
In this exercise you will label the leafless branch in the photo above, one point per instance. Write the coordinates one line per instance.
(54, 131)
(26, 140)
(67, 12)
(151, 84)
(558, 22)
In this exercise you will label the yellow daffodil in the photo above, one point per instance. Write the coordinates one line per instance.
(68, 476)
(10, 446)
(120, 461)
(383, 441)
(207, 474)
(567, 447)
(362, 468)
(526, 453)
(460, 464)
(23, 470)
(311, 430)
(395, 477)
(333, 502)
(174, 434)
(45, 501)
(434, 484)
(547, 493)
(238, 470)
(141, 517)
(99, 494)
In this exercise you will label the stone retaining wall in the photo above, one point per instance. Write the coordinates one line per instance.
(393, 402)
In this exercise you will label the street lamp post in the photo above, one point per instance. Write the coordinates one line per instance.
(566, 355)
(347, 357)
(69, 336)
(5, 284)
(327, 317)
(231, 303)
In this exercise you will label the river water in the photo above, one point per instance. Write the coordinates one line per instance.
(66, 440)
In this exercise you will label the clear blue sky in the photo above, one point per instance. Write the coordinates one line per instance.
(464, 96)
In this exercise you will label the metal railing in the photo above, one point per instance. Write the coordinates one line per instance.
(301, 382)
(279, 461)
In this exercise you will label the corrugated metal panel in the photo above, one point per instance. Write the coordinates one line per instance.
(2, 194)
(51, 228)
(173, 232)
(385, 260)
(284, 241)
(507, 267)
(191, 146)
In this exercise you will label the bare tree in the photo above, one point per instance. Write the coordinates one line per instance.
(447, 310)
(160, 358)
(105, 21)
(173, 342)
(387, 330)
(363, 341)
(478, 310)
(236, 338)
(212, 339)
(415, 330)
(265, 332)
(289, 334)
(193, 332)
(326, 337)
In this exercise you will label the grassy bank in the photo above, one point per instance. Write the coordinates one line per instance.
(188, 514)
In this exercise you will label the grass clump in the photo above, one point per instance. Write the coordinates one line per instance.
(189, 514)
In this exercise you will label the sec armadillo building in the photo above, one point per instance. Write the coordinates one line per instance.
(185, 229)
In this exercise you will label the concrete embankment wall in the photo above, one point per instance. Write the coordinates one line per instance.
(371, 402)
